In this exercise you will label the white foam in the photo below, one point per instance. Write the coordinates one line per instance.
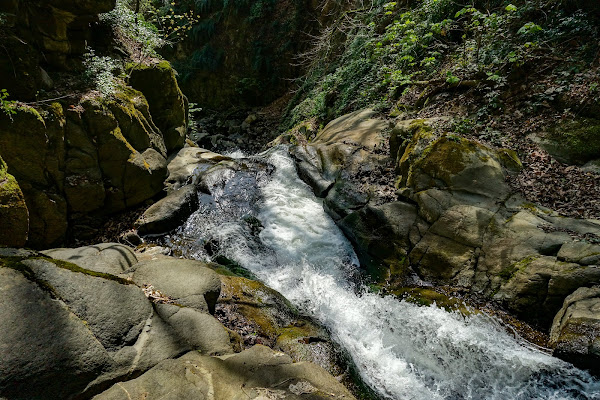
(403, 351)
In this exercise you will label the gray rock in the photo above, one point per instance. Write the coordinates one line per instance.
(109, 258)
(46, 350)
(258, 372)
(201, 331)
(575, 333)
(186, 166)
(187, 282)
(72, 331)
(114, 312)
(169, 212)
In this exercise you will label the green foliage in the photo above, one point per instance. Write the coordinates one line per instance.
(391, 48)
(103, 72)
(7, 106)
(134, 27)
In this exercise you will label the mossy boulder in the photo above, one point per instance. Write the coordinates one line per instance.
(575, 333)
(33, 147)
(261, 315)
(167, 103)
(13, 210)
(573, 141)
(457, 164)
(131, 176)
(259, 373)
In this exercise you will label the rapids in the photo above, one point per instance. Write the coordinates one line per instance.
(401, 350)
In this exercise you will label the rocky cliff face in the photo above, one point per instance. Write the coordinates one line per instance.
(96, 157)
(78, 155)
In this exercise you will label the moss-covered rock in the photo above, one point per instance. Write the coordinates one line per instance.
(573, 141)
(167, 103)
(130, 176)
(575, 334)
(13, 210)
(33, 147)
(258, 373)
(261, 315)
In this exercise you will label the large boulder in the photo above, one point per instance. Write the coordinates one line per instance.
(574, 141)
(169, 212)
(258, 372)
(73, 331)
(575, 333)
(13, 211)
(131, 174)
(168, 105)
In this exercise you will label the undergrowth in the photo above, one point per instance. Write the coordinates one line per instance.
(374, 55)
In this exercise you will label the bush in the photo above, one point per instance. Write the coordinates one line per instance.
(7, 106)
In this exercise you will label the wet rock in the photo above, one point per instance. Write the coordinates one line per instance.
(258, 372)
(380, 234)
(169, 212)
(261, 315)
(575, 333)
(186, 166)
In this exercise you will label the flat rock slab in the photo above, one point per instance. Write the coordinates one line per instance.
(256, 373)
(187, 282)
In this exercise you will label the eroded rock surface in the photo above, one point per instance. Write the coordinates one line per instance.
(575, 334)
(75, 331)
(256, 373)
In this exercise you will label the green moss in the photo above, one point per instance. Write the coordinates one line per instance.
(529, 206)
(510, 160)
(427, 297)
(15, 263)
(27, 110)
(510, 271)
(444, 158)
(580, 138)
(75, 268)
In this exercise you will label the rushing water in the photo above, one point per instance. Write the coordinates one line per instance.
(403, 351)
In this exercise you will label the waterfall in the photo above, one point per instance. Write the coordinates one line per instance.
(402, 350)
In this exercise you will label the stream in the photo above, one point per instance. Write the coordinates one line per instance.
(401, 350)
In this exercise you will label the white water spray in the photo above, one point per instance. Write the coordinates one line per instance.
(402, 351)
